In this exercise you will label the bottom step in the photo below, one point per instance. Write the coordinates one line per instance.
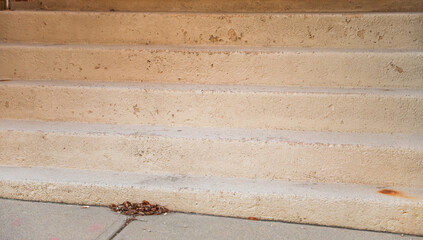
(397, 210)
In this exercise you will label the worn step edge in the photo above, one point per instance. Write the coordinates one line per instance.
(291, 108)
(352, 206)
(203, 65)
(376, 159)
(366, 30)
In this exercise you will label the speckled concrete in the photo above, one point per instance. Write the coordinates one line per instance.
(305, 109)
(338, 30)
(344, 205)
(390, 160)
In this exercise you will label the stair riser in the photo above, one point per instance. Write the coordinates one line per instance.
(277, 68)
(279, 30)
(244, 200)
(223, 6)
(343, 163)
(309, 111)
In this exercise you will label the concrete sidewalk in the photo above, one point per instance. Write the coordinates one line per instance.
(23, 220)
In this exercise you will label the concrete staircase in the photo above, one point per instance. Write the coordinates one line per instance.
(234, 108)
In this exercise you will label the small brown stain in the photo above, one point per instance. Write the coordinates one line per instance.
(232, 35)
(253, 218)
(136, 109)
(6, 104)
(393, 193)
(97, 67)
(214, 39)
(360, 33)
(396, 68)
(349, 17)
(310, 35)
(5, 80)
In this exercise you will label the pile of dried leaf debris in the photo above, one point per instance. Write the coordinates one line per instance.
(138, 209)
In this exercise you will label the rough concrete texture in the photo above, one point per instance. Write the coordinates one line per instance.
(264, 66)
(175, 226)
(308, 109)
(389, 160)
(369, 31)
(21, 220)
(31, 220)
(352, 206)
(225, 6)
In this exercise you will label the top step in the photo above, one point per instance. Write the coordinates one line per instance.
(243, 6)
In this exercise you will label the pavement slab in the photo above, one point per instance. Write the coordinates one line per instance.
(192, 226)
(51, 221)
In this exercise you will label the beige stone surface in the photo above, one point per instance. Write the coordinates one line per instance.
(225, 6)
(308, 109)
(343, 205)
(375, 159)
(368, 31)
(279, 116)
(268, 67)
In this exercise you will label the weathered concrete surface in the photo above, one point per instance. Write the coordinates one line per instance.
(35, 220)
(263, 66)
(38, 220)
(225, 6)
(368, 31)
(175, 226)
(306, 109)
(375, 159)
(354, 206)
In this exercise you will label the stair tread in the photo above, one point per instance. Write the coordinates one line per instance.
(409, 141)
(340, 30)
(287, 67)
(293, 108)
(315, 203)
(186, 183)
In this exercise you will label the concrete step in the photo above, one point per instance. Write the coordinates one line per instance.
(224, 6)
(219, 65)
(369, 30)
(308, 109)
(374, 159)
(352, 206)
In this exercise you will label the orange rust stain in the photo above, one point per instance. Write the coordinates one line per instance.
(136, 109)
(393, 193)
(253, 218)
